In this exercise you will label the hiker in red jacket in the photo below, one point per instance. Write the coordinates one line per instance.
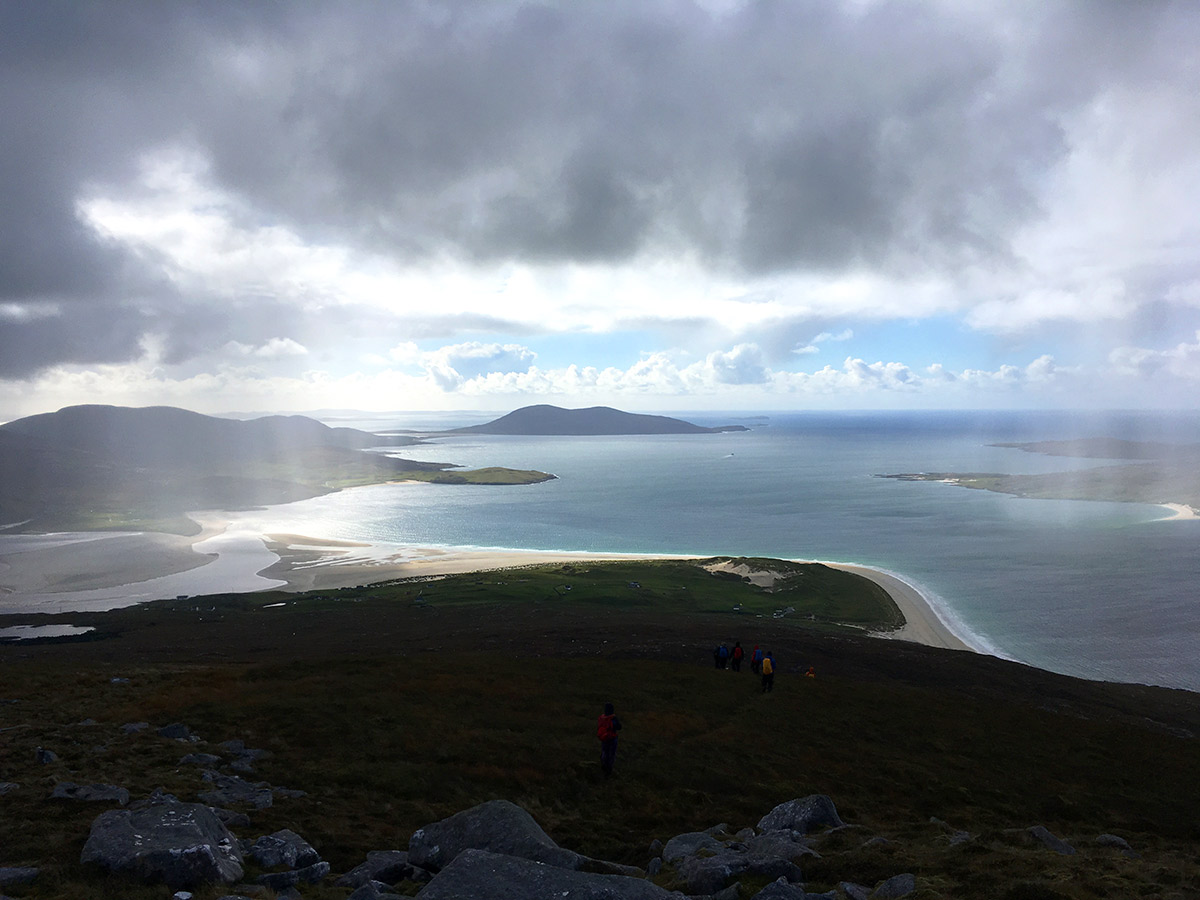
(735, 658)
(607, 727)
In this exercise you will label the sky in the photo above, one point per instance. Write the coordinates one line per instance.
(654, 205)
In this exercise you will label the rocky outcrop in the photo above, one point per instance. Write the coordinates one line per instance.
(165, 840)
(500, 827)
(1044, 837)
(474, 874)
(804, 815)
(283, 848)
(384, 866)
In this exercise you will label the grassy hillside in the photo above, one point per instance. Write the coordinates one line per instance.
(103, 467)
(396, 705)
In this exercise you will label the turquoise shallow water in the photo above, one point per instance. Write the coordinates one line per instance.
(1100, 590)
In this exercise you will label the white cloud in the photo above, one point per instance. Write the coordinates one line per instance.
(825, 336)
(1181, 361)
(275, 348)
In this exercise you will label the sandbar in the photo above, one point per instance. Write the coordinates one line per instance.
(1179, 511)
(105, 571)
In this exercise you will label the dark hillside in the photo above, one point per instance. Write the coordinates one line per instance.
(107, 467)
(549, 420)
(393, 706)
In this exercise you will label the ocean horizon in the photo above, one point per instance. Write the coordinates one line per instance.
(1096, 589)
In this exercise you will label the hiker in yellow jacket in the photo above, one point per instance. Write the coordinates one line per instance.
(768, 673)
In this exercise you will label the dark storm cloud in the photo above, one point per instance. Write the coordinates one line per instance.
(777, 136)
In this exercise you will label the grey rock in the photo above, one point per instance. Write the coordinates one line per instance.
(230, 789)
(957, 836)
(373, 890)
(45, 757)
(476, 874)
(654, 867)
(88, 721)
(181, 844)
(781, 890)
(176, 731)
(497, 826)
(709, 874)
(721, 830)
(689, 844)
(11, 875)
(7, 787)
(234, 746)
(855, 891)
(90, 793)
(280, 881)
(1043, 836)
(182, 895)
(283, 848)
(730, 893)
(895, 887)
(386, 866)
(803, 815)
(656, 847)
(780, 844)
(134, 727)
(744, 835)
(118, 681)
(208, 760)
(230, 818)
(1112, 840)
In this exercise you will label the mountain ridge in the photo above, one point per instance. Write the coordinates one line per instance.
(545, 419)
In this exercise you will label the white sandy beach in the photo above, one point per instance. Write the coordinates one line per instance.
(106, 571)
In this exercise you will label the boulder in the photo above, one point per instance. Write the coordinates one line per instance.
(386, 866)
(684, 845)
(12, 875)
(497, 826)
(895, 887)
(802, 815)
(373, 890)
(7, 787)
(134, 727)
(45, 757)
(181, 844)
(283, 848)
(781, 890)
(474, 874)
(176, 731)
(208, 760)
(710, 874)
(229, 789)
(1043, 836)
(90, 793)
(281, 881)
(781, 845)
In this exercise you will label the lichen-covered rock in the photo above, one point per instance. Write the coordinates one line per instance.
(386, 866)
(181, 844)
(684, 845)
(497, 826)
(476, 874)
(230, 789)
(803, 815)
(283, 848)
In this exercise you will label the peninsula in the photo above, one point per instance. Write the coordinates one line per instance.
(544, 419)
(1155, 473)
(88, 468)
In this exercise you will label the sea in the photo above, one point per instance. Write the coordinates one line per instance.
(1101, 590)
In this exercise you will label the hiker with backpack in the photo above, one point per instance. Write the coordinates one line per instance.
(756, 658)
(607, 727)
(735, 658)
(768, 673)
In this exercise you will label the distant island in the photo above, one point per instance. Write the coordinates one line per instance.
(596, 420)
(87, 468)
(1157, 473)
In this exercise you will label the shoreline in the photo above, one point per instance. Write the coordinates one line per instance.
(153, 566)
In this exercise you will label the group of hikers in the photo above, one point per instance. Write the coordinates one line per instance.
(761, 662)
